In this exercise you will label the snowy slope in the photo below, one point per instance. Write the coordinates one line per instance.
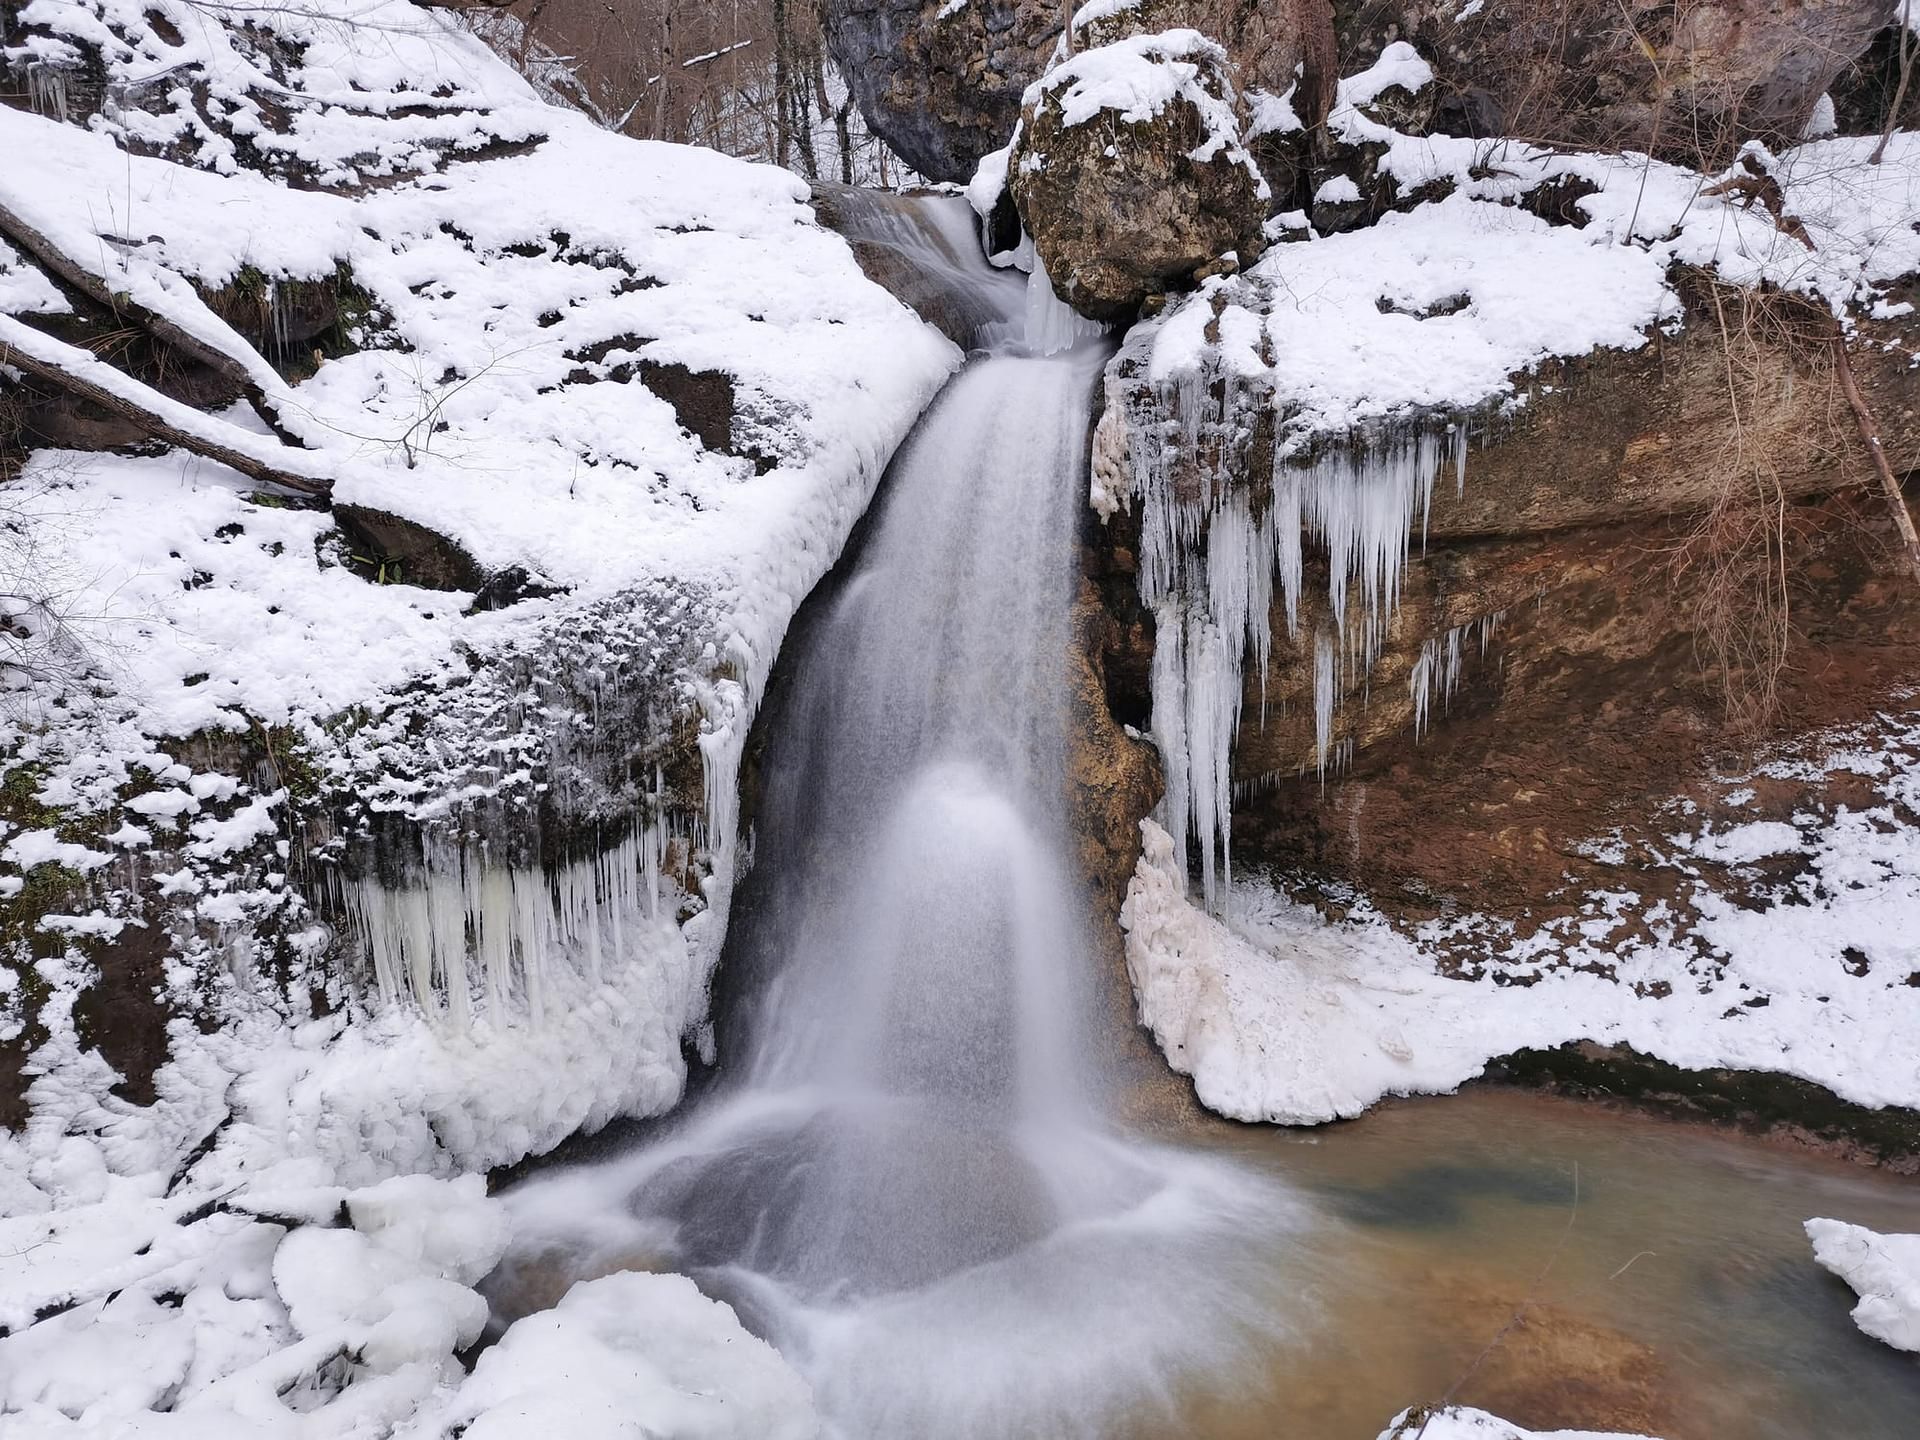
(518, 270)
(247, 1252)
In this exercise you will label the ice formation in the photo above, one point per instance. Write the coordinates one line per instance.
(476, 929)
(1210, 555)
(1884, 1270)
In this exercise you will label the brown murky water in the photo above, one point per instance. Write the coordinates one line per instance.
(1562, 1265)
(1571, 1267)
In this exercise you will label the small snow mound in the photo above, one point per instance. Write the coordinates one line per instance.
(1884, 1271)
(1744, 844)
(1459, 1423)
(633, 1350)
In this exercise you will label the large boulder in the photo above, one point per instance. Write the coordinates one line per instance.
(1689, 84)
(1131, 173)
(1286, 50)
(941, 83)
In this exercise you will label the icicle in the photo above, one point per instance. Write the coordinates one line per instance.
(476, 937)
(1326, 680)
(1169, 686)
(1052, 324)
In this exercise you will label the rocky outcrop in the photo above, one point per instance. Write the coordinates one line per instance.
(941, 83)
(1571, 643)
(1688, 84)
(1131, 173)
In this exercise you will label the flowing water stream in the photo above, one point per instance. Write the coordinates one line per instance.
(912, 1176)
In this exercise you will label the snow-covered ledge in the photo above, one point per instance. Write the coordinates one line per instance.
(1884, 1271)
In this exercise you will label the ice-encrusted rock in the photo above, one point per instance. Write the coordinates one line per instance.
(1458, 1422)
(1131, 170)
(1884, 1271)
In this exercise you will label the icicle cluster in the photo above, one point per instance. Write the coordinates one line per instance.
(1436, 674)
(1052, 325)
(1210, 553)
(478, 935)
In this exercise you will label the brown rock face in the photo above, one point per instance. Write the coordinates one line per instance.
(1591, 608)
(1122, 204)
(1689, 83)
(940, 85)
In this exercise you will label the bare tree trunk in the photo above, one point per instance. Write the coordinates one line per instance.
(89, 378)
(248, 379)
(666, 73)
(843, 133)
(782, 84)
(1905, 21)
(1870, 434)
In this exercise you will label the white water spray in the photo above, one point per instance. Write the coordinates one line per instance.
(910, 1179)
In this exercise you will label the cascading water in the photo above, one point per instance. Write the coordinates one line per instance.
(909, 1181)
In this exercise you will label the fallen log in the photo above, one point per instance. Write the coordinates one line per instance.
(86, 376)
(251, 375)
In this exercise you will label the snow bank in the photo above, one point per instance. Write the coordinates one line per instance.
(1456, 1422)
(320, 1312)
(1279, 1015)
(511, 278)
(1884, 1271)
(630, 1349)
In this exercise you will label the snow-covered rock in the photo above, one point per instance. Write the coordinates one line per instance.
(1457, 1422)
(639, 376)
(630, 1350)
(192, 1317)
(1884, 1271)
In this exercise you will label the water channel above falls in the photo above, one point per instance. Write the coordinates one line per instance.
(921, 1174)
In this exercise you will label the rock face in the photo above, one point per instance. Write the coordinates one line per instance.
(1688, 84)
(1573, 637)
(941, 83)
(1130, 171)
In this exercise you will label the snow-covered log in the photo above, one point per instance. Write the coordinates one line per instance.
(91, 379)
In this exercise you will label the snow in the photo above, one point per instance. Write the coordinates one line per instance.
(1457, 1422)
(1280, 1015)
(1884, 1271)
(497, 273)
(237, 1257)
(630, 1350)
(1135, 79)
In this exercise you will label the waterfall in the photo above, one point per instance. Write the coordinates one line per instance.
(910, 1177)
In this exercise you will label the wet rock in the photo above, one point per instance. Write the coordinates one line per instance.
(943, 83)
(1131, 172)
(394, 550)
(509, 587)
(121, 1014)
(940, 83)
(1688, 84)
